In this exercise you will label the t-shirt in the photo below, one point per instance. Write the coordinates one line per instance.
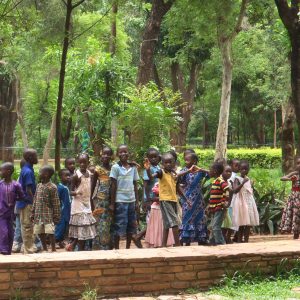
(150, 183)
(125, 178)
(26, 179)
(218, 194)
(65, 202)
(167, 187)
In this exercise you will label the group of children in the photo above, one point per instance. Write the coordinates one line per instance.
(96, 208)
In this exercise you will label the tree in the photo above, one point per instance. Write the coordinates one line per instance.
(69, 8)
(225, 39)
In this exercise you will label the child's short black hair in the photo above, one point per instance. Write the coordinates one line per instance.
(152, 150)
(173, 153)
(167, 155)
(110, 149)
(8, 166)
(246, 163)
(120, 146)
(84, 154)
(49, 170)
(194, 156)
(188, 151)
(68, 159)
(231, 161)
(62, 171)
(218, 167)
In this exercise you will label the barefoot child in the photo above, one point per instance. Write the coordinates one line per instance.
(290, 221)
(244, 210)
(101, 201)
(10, 192)
(46, 208)
(62, 228)
(124, 197)
(82, 222)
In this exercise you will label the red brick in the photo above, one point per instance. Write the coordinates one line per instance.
(62, 283)
(180, 284)
(90, 273)
(150, 288)
(140, 265)
(99, 266)
(169, 269)
(4, 286)
(112, 280)
(188, 268)
(118, 271)
(139, 278)
(216, 273)
(186, 275)
(158, 264)
(39, 275)
(67, 274)
(25, 284)
(20, 276)
(163, 278)
(4, 277)
(144, 270)
(177, 263)
(203, 275)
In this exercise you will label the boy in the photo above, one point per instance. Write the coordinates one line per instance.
(46, 208)
(219, 197)
(62, 227)
(27, 181)
(124, 197)
(70, 165)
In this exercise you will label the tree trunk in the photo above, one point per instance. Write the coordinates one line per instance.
(288, 138)
(50, 139)
(275, 130)
(149, 40)
(19, 111)
(222, 133)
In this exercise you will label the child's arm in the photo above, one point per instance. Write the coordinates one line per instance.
(19, 192)
(181, 193)
(113, 192)
(75, 181)
(237, 185)
(289, 177)
(137, 202)
(56, 205)
(93, 186)
(33, 205)
(147, 168)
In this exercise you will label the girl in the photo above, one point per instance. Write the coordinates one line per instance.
(10, 192)
(101, 201)
(244, 210)
(82, 222)
(193, 227)
(290, 221)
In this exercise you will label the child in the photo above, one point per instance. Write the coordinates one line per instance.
(70, 164)
(244, 210)
(10, 192)
(82, 222)
(27, 181)
(168, 189)
(101, 201)
(124, 197)
(227, 223)
(219, 196)
(193, 228)
(62, 228)
(290, 221)
(46, 208)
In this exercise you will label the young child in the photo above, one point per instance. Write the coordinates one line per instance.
(219, 197)
(244, 210)
(101, 201)
(27, 181)
(124, 197)
(290, 221)
(62, 228)
(82, 223)
(10, 192)
(227, 223)
(46, 208)
(70, 164)
(193, 227)
(168, 189)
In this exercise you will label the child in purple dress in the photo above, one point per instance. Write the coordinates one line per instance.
(10, 192)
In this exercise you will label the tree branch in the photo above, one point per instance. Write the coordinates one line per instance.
(5, 13)
(77, 4)
(286, 14)
(65, 3)
(194, 71)
(238, 25)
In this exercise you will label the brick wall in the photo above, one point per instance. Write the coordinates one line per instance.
(63, 275)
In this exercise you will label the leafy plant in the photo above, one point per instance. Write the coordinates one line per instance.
(89, 293)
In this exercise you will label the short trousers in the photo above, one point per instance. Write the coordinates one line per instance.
(169, 213)
(44, 228)
(125, 219)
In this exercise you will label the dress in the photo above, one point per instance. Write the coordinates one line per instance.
(290, 221)
(101, 212)
(193, 227)
(82, 222)
(9, 193)
(244, 210)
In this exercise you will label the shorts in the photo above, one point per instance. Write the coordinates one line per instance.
(125, 219)
(44, 228)
(169, 213)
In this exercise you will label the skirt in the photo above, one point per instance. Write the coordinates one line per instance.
(82, 226)
(155, 227)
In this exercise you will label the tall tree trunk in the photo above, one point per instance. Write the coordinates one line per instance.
(150, 38)
(19, 111)
(50, 139)
(275, 130)
(225, 44)
(69, 7)
(288, 137)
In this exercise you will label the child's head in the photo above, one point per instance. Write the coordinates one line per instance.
(244, 168)
(188, 151)
(65, 176)
(6, 170)
(190, 159)
(30, 156)
(227, 172)
(46, 172)
(297, 164)
(70, 164)
(168, 161)
(174, 154)
(83, 161)
(153, 156)
(235, 165)
(22, 163)
(106, 155)
(216, 169)
(123, 153)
